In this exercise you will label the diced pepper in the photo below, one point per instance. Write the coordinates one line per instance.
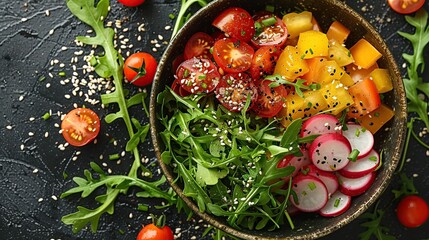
(358, 73)
(377, 118)
(347, 80)
(366, 98)
(313, 44)
(314, 64)
(290, 64)
(314, 102)
(338, 32)
(381, 78)
(297, 23)
(364, 54)
(340, 53)
(329, 71)
(336, 96)
(294, 109)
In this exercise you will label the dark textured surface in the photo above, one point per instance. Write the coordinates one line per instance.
(27, 209)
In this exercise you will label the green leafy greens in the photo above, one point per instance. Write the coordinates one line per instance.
(181, 17)
(110, 65)
(227, 162)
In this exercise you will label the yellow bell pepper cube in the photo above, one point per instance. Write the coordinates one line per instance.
(338, 31)
(340, 53)
(329, 71)
(313, 44)
(290, 64)
(314, 102)
(297, 23)
(381, 78)
(364, 54)
(347, 80)
(377, 118)
(337, 97)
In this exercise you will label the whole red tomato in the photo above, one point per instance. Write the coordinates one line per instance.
(140, 68)
(131, 3)
(156, 231)
(412, 211)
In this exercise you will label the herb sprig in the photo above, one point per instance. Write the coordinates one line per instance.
(182, 17)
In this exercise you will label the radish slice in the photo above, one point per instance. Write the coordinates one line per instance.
(320, 124)
(297, 162)
(329, 152)
(359, 138)
(336, 205)
(361, 166)
(311, 193)
(328, 178)
(355, 186)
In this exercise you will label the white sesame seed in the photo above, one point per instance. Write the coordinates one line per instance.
(9, 127)
(30, 134)
(24, 19)
(55, 198)
(22, 147)
(21, 98)
(51, 31)
(35, 170)
(167, 27)
(47, 13)
(40, 200)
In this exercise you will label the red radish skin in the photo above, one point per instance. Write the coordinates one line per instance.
(336, 205)
(311, 193)
(328, 178)
(361, 166)
(320, 124)
(329, 152)
(359, 138)
(356, 186)
(296, 161)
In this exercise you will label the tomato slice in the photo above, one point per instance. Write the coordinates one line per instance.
(198, 46)
(233, 55)
(264, 61)
(271, 31)
(406, 6)
(234, 89)
(237, 23)
(270, 100)
(80, 126)
(177, 88)
(198, 75)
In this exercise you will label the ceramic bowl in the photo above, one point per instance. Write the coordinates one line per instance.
(308, 226)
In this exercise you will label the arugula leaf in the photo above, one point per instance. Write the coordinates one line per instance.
(374, 227)
(414, 83)
(181, 18)
(407, 187)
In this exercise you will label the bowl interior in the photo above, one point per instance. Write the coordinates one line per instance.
(308, 226)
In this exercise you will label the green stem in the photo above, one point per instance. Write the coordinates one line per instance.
(184, 7)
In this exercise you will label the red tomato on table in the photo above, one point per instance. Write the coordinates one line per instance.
(406, 6)
(131, 3)
(156, 231)
(140, 68)
(80, 126)
(412, 211)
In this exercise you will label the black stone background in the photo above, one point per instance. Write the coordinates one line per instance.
(26, 51)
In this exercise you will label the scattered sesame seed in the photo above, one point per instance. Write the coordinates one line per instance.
(21, 98)
(22, 147)
(40, 200)
(24, 19)
(47, 13)
(35, 170)
(55, 198)
(9, 127)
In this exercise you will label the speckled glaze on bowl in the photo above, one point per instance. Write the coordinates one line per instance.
(308, 226)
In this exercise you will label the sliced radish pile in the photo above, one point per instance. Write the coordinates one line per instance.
(359, 138)
(328, 178)
(311, 193)
(320, 124)
(330, 152)
(336, 205)
(355, 186)
(296, 161)
(361, 166)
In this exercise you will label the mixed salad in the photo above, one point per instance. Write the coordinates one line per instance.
(269, 116)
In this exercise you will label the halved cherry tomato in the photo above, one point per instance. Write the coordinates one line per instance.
(177, 88)
(406, 6)
(264, 61)
(198, 46)
(233, 55)
(270, 100)
(412, 211)
(140, 68)
(176, 62)
(237, 23)
(197, 75)
(234, 89)
(80, 126)
(131, 3)
(271, 31)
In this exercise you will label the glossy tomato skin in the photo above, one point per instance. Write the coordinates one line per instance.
(237, 23)
(274, 35)
(412, 211)
(233, 55)
(137, 73)
(264, 61)
(177, 88)
(233, 90)
(197, 75)
(406, 6)
(80, 126)
(270, 100)
(131, 3)
(152, 232)
(198, 46)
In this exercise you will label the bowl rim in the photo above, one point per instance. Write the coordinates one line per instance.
(398, 146)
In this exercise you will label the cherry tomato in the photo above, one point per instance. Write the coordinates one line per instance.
(412, 211)
(271, 31)
(237, 23)
(177, 88)
(270, 100)
(264, 61)
(233, 55)
(406, 6)
(198, 75)
(80, 126)
(199, 46)
(140, 68)
(131, 3)
(233, 90)
(152, 232)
